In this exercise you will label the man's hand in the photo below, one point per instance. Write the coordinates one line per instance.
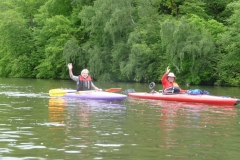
(70, 66)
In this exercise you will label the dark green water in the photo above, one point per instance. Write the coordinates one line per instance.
(36, 126)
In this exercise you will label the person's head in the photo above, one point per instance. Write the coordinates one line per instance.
(171, 77)
(84, 73)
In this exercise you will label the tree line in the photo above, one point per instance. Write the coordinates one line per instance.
(122, 40)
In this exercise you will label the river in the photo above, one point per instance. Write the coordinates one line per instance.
(34, 125)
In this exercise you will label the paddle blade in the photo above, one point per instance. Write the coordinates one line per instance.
(113, 90)
(57, 92)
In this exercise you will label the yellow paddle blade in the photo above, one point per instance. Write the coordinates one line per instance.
(57, 92)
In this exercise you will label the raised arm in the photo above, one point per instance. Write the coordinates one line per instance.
(75, 78)
(164, 77)
(70, 69)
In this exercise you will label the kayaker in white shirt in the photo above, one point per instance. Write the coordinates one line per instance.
(84, 81)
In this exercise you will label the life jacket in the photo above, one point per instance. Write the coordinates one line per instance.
(171, 90)
(84, 83)
(169, 87)
(173, 87)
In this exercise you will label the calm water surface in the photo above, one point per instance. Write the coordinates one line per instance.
(36, 126)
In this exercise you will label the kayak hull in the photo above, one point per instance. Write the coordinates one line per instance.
(208, 99)
(97, 96)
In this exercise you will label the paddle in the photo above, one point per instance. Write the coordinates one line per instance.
(61, 92)
(181, 76)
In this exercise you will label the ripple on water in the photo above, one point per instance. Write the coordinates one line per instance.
(23, 94)
(18, 133)
(25, 158)
(109, 145)
(24, 128)
(8, 140)
(5, 136)
(72, 151)
(5, 150)
(57, 124)
(29, 146)
(4, 129)
(81, 146)
(7, 105)
(75, 138)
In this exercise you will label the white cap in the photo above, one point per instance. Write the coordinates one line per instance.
(171, 75)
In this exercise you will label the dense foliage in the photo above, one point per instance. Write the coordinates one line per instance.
(122, 40)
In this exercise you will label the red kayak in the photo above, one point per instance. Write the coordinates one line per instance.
(208, 99)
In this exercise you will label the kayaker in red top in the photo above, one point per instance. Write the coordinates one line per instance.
(84, 81)
(169, 84)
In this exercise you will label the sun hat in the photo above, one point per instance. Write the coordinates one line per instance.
(171, 75)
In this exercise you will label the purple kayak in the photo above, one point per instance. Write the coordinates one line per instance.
(97, 96)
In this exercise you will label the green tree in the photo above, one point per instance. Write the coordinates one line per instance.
(229, 41)
(145, 60)
(217, 9)
(53, 36)
(193, 7)
(82, 2)
(187, 46)
(53, 31)
(108, 24)
(14, 45)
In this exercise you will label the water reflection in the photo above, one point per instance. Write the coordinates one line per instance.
(181, 119)
(83, 108)
(62, 110)
(86, 123)
(189, 126)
